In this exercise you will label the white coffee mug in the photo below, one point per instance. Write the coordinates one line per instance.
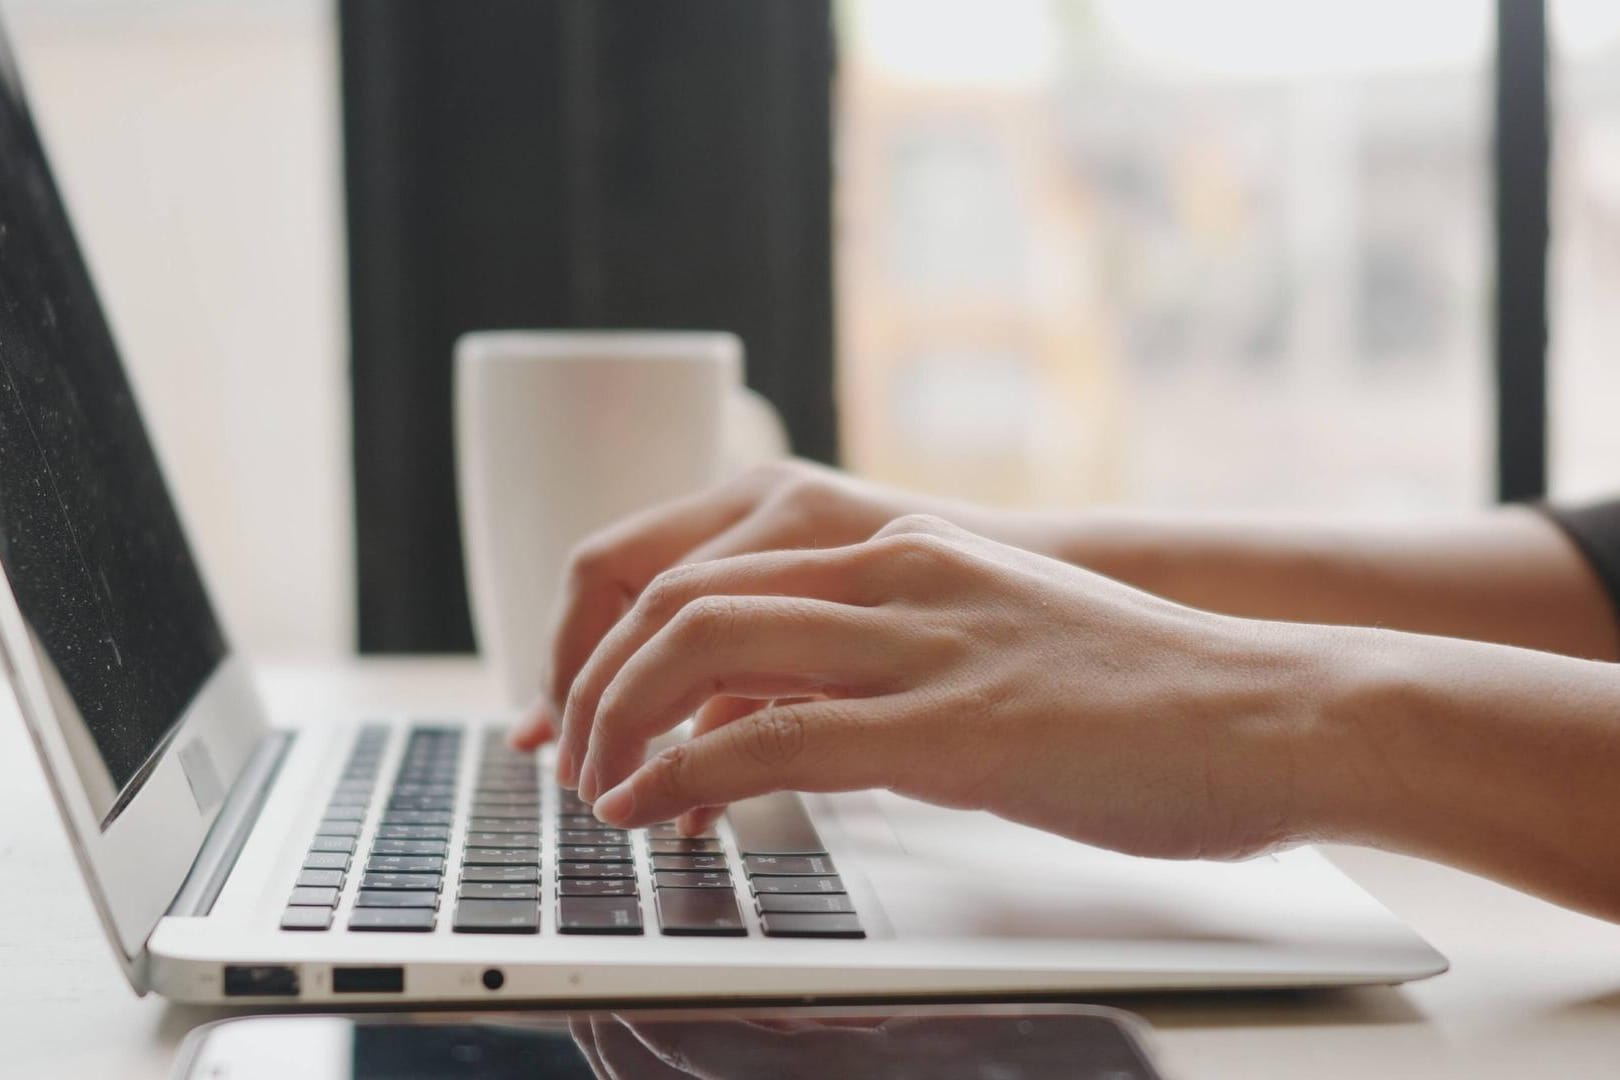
(559, 433)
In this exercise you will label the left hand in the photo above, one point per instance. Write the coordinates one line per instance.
(957, 670)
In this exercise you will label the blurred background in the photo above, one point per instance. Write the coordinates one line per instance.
(1156, 252)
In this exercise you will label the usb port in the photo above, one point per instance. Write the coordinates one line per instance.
(260, 980)
(368, 980)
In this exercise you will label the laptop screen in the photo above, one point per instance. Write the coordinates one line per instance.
(89, 540)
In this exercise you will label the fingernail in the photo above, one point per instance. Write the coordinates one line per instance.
(567, 770)
(590, 786)
(616, 806)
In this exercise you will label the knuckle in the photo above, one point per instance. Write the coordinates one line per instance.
(589, 561)
(921, 550)
(928, 524)
(805, 491)
(669, 771)
(775, 738)
(667, 593)
(770, 475)
(707, 622)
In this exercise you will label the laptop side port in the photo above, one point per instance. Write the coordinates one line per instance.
(368, 980)
(260, 980)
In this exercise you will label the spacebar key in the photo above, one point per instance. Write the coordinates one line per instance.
(775, 824)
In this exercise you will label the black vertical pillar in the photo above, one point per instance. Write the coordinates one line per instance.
(567, 163)
(1520, 170)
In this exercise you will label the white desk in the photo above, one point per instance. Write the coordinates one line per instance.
(1533, 992)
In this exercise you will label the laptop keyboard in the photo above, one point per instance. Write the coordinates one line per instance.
(602, 881)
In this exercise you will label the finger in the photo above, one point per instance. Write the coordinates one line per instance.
(731, 1048)
(717, 713)
(626, 1056)
(537, 727)
(772, 526)
(579, 1026)
(925, 524)
(835, 745)
(697, 822)
(826, 575)
(747, 646)
(611, 568)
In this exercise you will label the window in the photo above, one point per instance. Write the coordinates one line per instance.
(1168, 252)
(1583, 362)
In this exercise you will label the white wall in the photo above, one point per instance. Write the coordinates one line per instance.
(198, 145)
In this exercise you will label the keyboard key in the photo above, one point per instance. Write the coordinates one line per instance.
(342, 844)
(500, 873)
(410, 847)
(479, 856)
(804, 904)
(666, 830)
(599, 915)
(596, 887)
(700, 911)
(417, 817)
(400, 881)
(413, 832)
(306, 918)
(762, 885)
(529, 815)
(775, 824)
(684, 847)
(593, 853)
(595, 870)
(584, 822)
(789, 865)
(303, 896)
(507, 798)
(507, 785)
(421, 802)
(418, 920)
(496, 890)
(783, 924)
(320, 879)
(500, 825)
(503, 840)
(326, 860)
(432, 791)
(397, 898)
(497, 917)
(687, 862)
(338, 812)
(617, 837)
(695, 879)
(405, 864)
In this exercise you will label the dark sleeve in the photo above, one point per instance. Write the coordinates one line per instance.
(1596, 531)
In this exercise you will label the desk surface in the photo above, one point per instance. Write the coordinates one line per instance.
(1533, 990)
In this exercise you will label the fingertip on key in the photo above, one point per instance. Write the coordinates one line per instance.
(616, 806)
(533, 736)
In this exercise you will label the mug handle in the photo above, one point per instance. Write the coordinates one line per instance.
(754, 431)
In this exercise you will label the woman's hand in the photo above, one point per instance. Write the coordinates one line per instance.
(783, 505)
(953, 669)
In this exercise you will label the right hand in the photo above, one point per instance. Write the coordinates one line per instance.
(783, 504)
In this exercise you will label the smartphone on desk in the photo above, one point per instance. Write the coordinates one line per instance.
(1005, 1042)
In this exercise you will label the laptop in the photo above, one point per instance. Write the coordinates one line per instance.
(233, 856)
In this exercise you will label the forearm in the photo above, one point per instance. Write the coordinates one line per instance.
(1507, 576)
(1505, 762)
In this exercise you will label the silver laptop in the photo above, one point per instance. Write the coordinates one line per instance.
(401, 859)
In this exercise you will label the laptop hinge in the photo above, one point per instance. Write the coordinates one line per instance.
(229, 833)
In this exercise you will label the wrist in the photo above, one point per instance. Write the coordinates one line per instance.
(1362, 682)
